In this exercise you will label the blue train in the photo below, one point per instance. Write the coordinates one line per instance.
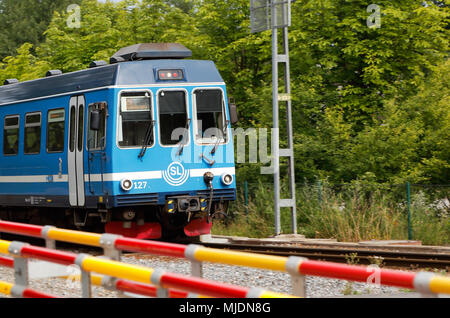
(141, 146)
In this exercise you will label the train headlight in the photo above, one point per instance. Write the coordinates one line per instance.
(126, 184)
(227, 179)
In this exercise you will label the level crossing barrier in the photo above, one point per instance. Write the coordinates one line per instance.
(20, 291)
(120, 285)
(89, 264)
(429, 284)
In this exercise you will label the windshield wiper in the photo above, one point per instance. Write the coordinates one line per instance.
(224, 132)
(181, 143)
(148, 136)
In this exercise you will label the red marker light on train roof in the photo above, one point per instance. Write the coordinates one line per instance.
(170, 75)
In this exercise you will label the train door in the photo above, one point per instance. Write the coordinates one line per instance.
(75, 151)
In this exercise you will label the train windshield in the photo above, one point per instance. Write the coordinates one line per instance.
(210, 121)
(135, 119)
(173, 117)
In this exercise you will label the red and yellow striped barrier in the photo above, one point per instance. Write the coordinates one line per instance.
(10, 290)
(123, 285)
(136, 273)
(117, 284)
(423, 282)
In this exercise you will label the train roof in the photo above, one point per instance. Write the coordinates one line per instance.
(128, 73)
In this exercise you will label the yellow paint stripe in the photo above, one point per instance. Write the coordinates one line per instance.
(86, 238)
(440, 284)
(5, 288)
(117, 269)
(276, 263)
(95, 279)
(4, 246)
(269, 294)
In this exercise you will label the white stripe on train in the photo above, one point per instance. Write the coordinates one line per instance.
(140, 175)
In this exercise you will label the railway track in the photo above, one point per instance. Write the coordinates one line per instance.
(404, 257)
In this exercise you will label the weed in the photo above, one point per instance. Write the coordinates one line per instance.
(352, 258)
(376, 260)
(348, 289)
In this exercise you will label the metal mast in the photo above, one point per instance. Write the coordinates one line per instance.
(279, 13)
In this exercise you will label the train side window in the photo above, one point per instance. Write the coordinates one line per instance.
(55, 130)
(80, 127)
(32, 144)
(209, 105)
(96, 138)
(172, 115)
(135, 119)
(11, 135)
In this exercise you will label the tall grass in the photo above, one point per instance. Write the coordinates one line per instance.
(252, 220)
(349, 216)
(430, 223)
(353, 213)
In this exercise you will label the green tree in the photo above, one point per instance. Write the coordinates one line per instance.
(106, 27)
(23, 66)
(344, 74)
(25, 21)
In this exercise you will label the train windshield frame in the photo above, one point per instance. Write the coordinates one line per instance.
(173, 113)
(135, 118)
(210, 116)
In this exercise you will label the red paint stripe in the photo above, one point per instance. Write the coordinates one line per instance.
(151, 247)
(19, 228)
(202, 286)
(177, 294)
(6, 261)
(357, 273)
(146, 290)
(30, 293)
(46, 254)
(137, 288)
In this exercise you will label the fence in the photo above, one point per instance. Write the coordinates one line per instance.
(423, 282)
(406, 211)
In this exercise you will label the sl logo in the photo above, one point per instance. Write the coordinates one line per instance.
(175, 174)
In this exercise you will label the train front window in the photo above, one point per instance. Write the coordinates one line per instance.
(135, 119)
(209, 105)
(172, 115)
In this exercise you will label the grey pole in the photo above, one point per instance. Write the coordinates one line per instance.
(275, 131)
(290, 151)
